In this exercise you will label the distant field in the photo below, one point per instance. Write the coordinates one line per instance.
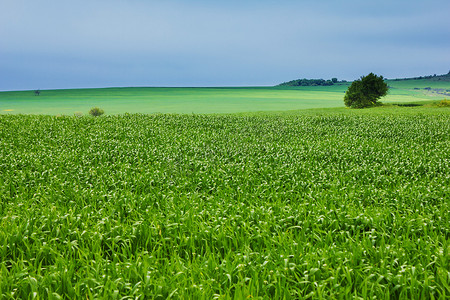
(201, 100)
(169, 100)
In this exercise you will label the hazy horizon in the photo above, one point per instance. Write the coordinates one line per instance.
(95, 44)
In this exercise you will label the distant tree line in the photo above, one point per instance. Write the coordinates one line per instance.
(309, 82)
(445, 77)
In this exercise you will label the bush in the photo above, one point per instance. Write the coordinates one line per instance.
(366, 91)
(96, 112)
(444, 103)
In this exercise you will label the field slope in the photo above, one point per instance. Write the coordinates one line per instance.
(316, 204)
(206, 100)
(167, 100)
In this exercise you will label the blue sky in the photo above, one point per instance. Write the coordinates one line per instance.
(73, 44)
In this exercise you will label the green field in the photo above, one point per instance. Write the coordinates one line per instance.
(167, 100)
(329, 203)
(201, 100)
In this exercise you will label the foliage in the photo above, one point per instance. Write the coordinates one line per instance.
(444, 103)
(309, 82)
(365, 92)
(336, 205)
(96, 112)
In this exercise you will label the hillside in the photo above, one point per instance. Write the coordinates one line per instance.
(445, 77)
(431, 86)
(428, 86)
(323, 82)
(309, 93)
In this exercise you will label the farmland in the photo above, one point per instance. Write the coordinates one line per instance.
(303, 204)
(205, 100)
(168, 100)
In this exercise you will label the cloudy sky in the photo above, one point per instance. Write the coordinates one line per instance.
(101, 43)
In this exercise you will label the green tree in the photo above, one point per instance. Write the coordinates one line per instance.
(366, 91)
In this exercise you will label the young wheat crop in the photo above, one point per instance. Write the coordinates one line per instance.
(225, 206)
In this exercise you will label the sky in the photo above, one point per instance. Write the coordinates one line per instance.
(55, 44)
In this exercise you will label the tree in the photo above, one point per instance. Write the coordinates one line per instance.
(366, 91)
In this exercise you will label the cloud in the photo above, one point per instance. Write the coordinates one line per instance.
(217, 43)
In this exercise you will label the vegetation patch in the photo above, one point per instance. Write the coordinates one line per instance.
(409, 104)
(444, 103)
(343, 204)
(309, 82)
(366, 91)
(96, 112)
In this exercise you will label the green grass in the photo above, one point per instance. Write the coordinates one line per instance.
(166, 100)
(199, 100)
(329, 203)
(415, 90)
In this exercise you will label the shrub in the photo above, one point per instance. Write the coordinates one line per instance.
(444, 103)
(96, 112)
